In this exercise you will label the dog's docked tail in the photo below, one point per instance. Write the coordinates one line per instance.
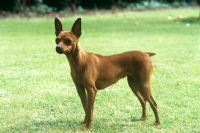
(150, 53)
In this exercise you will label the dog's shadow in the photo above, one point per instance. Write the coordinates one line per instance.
(72, 125)
(101, 125)
(46, 126)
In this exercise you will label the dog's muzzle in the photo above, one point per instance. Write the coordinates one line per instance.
(59, 49)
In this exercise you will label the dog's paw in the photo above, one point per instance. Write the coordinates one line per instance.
(83, 122)
(156, 123)
(143, 118)
(86, 128)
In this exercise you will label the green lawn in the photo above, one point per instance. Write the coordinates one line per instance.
(38, 95)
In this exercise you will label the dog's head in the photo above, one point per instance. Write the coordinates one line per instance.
(67, 40)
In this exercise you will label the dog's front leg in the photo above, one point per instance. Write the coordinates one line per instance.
(82, 94)
(91, 92)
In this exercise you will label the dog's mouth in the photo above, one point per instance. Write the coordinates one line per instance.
(59, 49)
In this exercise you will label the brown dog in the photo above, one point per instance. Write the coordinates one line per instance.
(92, 72)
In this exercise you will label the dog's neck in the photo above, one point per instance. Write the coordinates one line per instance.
(75, 57)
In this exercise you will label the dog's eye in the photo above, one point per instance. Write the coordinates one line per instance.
(68, 42)
(57, 40)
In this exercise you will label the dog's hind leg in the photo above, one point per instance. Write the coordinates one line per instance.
(134, 87)
(145, 90)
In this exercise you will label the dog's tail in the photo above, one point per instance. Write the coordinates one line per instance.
(150, 53)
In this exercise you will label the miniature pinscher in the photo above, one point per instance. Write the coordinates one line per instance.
(92, 72)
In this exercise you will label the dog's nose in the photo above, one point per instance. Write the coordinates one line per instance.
(59, 49)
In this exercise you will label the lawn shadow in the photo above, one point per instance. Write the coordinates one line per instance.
(191, 20)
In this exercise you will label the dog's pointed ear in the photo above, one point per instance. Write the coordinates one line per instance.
(58, 26)
(76, 28)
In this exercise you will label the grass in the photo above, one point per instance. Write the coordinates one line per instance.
(38, 95)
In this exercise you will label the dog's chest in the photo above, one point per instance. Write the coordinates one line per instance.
(76, 75)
